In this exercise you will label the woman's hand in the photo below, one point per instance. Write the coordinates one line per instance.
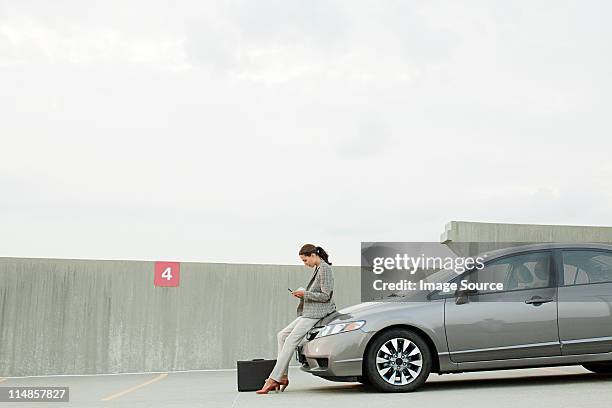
(298, 293)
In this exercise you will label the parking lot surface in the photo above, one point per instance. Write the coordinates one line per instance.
(544, 387)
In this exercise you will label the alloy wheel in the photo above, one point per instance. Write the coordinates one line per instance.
(399, 361)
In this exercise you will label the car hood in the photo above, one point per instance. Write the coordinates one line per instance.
(363, 310)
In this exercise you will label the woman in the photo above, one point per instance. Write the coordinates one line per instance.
(315, 302)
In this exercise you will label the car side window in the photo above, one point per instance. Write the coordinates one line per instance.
(524, 271)
(582, 267)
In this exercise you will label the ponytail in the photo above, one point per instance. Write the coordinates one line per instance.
(324, 256)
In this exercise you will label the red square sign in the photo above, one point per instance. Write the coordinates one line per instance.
(167, 273)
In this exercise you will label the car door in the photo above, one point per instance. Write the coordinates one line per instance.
(585, 301)
(518, 322)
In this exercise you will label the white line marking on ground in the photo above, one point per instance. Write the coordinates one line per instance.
(117, 395)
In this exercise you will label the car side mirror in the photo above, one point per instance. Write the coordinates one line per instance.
(462, 295)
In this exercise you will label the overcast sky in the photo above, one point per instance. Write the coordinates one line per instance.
(236, 131)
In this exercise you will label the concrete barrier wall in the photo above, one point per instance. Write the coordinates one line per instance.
(473, 238)
(463, 231)
(61, 316)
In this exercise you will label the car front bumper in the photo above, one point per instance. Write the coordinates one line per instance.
(335, 356)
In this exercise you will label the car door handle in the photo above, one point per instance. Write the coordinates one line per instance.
(536, 300)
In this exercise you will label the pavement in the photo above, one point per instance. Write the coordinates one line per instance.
(556, 387)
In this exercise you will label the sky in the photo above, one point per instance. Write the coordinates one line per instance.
(236, 131)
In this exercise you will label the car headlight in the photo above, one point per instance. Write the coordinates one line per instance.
(339, 328)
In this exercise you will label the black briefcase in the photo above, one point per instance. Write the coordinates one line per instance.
(253, 373)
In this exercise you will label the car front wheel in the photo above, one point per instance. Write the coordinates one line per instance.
(398, 360)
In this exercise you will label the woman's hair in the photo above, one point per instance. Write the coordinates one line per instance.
(310, 249)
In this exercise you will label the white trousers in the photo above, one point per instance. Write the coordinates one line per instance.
(288, 339)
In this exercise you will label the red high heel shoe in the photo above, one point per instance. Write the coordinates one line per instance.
(269, 385)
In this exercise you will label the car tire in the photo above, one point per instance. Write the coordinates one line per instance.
(397, 360)
(599, 368)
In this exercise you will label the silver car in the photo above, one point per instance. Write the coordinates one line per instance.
(555, 309)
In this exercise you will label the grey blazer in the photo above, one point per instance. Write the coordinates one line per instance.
(317, 301)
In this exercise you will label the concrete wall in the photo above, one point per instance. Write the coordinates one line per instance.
(62, 316)
(462, 231)
(473, 238)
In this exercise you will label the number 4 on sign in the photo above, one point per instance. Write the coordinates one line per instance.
(166, 273)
